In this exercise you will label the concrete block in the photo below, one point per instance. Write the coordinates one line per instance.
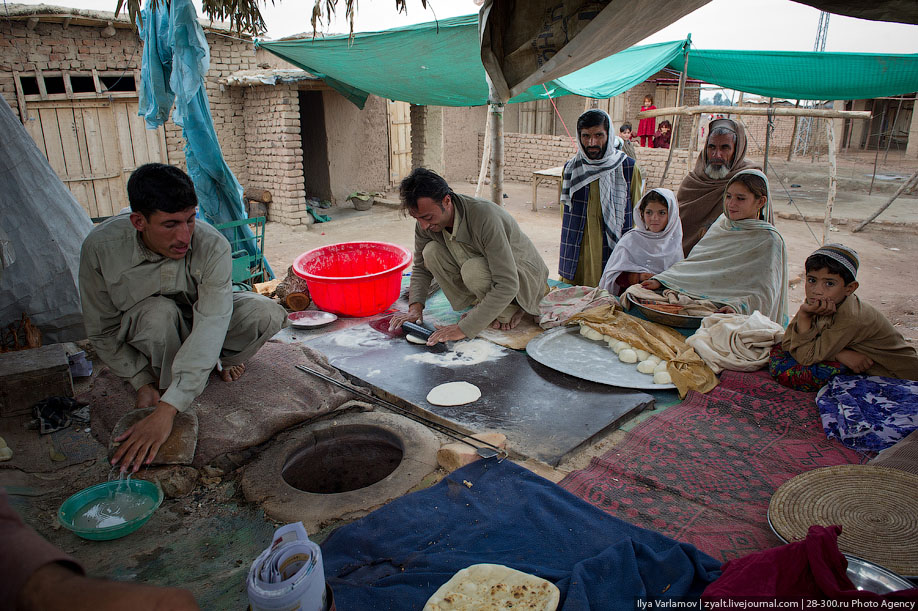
(452, 456)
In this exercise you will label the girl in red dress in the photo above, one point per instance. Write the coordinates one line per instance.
(647, 127)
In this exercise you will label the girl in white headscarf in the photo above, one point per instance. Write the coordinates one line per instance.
(741, 261)
(651, 247)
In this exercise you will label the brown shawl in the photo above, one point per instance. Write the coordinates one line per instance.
(701, 198)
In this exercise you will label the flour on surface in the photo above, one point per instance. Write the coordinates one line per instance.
(468, 352)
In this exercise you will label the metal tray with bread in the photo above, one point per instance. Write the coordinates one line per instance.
(665, 318)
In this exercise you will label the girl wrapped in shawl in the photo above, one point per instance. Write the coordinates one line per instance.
(652, 246)
(741, 261)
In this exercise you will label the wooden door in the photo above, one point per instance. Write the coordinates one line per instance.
(93, 145)
(399, 140)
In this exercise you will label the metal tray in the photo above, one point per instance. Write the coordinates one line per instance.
(565, 350)
(308, 319)
(670, 320)
(865, 575)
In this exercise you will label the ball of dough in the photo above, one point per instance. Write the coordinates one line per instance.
(619, 346)
(628, 356)
(646, 367)
(656, 360)
(662, 377)
(584, 330)
(660, 367)
(590, 333)
(643, 355)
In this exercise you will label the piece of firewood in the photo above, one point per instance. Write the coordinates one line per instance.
(258, 195)
(298, 301)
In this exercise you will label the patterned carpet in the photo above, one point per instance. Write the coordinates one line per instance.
(704, 471)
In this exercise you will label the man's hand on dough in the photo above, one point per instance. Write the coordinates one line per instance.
(446, 334)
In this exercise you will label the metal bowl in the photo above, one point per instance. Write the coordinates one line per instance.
(871, 577)
(670, 320)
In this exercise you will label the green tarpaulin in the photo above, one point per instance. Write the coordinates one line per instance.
(806, 75)
(439, 64)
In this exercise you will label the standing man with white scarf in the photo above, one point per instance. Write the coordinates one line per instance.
(598, 188)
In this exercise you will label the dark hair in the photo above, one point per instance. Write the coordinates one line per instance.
(422, 183)
(666, 124)
(653, 196)
(157, 187)
(625, 127)
(592, 118)
(649, 96)
(816, 262)
(757, 185)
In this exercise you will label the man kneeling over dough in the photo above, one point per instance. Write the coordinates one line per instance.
(159, 306)
(476, 252)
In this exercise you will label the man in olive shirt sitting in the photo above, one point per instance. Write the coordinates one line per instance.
(159, 306)
(476, 252)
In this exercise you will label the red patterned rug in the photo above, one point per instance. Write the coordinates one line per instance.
(704, 471)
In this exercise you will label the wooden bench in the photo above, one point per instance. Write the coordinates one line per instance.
(538, 176)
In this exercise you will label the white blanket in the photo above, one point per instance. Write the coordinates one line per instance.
(736, 342)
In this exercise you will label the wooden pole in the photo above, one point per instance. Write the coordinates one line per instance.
(908, 186)
(768, 134)
(693, 143)
(673, 141)
(833, 180)
(485, 155)
(892, 130)
(496, 116)
(793, 138)
(752, 110)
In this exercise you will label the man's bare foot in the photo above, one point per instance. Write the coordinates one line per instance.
(231, 374)
(147, 396)
(514, 321)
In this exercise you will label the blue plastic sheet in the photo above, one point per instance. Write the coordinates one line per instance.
(175, 59)
(397, 557)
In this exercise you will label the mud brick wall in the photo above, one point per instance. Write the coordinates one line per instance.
(526, 153)
(52, 46)
(275, 150)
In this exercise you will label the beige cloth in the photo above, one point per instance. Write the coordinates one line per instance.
(685, 367)
(560, 304)
(857, 326)
(736, 342)
(701, 198)
(486, 261)
(690, 306)
(124, 288)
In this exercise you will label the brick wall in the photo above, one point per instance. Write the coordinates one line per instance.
(526, 153)
(275, 153)
(51, 46)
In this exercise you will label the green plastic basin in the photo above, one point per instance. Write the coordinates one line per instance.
(68, 511)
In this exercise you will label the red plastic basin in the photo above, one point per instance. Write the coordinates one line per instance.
(353, 278)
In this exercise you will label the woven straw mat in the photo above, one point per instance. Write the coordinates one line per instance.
(877, 508)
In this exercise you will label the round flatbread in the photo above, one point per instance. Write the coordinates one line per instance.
(414, 339)
(492, 587)
(453, 393)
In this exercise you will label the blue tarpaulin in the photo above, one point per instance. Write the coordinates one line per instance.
(497, 512)
(175, 59)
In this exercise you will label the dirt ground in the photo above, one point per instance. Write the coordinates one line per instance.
(888, 249)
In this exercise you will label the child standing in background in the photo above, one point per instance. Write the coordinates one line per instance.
(647, 127)
(663, 135)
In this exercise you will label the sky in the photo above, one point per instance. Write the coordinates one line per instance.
(721, 24)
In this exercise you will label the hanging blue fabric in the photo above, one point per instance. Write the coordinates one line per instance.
(175, 59)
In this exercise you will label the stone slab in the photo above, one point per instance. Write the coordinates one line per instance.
(544, 413)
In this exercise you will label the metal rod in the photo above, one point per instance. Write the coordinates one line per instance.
(768, 127)
(449, 432)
